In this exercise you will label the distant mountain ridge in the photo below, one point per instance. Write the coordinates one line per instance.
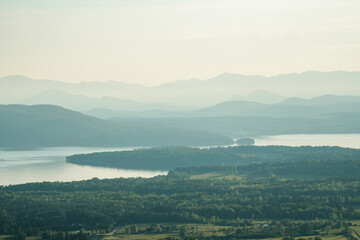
(259, 96)
(194, 93)
(36, 126)
(292, 107)
(52, 126)
(16, 88)
(322, 100)
(83, 103)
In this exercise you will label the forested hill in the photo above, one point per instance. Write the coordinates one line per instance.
(102, 204)
(167, 158)
(289, 170)
(51, 126)
(327, 192)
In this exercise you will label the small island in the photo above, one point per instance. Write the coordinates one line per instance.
(245, 141)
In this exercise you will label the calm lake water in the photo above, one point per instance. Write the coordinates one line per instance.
(48, 164)
(342, 140)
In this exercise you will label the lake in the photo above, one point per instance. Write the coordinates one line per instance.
(48, 164)
(341, 140)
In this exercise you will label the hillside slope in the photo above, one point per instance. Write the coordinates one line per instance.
(47, 125)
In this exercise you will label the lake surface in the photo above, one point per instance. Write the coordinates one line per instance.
(48, 164)
(341, 140)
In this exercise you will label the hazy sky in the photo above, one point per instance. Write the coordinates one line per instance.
(155, 41)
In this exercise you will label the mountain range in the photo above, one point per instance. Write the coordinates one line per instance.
(83, 103)
(23, 126)
(53, 126)
(292, 107)
(186, 94)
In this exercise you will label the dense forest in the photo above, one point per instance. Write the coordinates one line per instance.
(179, 120)
(247, 192)
(289, 170)
(166, 158)
(324, 189)
(227, 200)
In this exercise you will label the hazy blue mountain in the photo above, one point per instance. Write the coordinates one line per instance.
(195, 93)
(292, 107)
(217, 89)
(288, 111)
(322, 100)
(84, 104)
(251, 126)
(295, 101)
(60, 98)
(45, 126)
(16, 88)
(262, 96)
(259, 96)
(105, 113)
(243, 108)
(50, 126)
(235, 108)
(321, 105)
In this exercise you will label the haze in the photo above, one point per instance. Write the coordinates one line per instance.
(152, 42)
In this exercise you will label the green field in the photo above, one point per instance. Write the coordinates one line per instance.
(193, 231)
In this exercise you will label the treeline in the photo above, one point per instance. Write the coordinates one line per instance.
(245, 229)
(287, 229)
(292, 169)
(166, 158)
(101, 204)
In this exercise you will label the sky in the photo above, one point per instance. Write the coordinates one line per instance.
(155, 41)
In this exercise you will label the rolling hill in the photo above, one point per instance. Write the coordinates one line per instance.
(289, 108)
(51, 126)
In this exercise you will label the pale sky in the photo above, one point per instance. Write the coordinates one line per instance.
(154, 41)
